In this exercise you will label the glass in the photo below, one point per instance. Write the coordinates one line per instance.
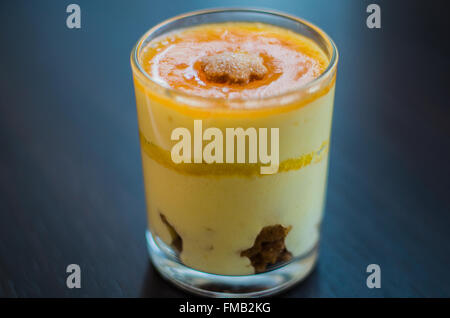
(204, 219)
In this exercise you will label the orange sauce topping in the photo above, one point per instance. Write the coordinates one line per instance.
(290, 59)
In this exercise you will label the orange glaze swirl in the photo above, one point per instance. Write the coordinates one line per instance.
(291, 60)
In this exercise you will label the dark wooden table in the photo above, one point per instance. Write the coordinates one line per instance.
(71, 188)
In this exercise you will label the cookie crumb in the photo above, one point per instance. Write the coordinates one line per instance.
(269, 248)
(234, 68)
(177, 241)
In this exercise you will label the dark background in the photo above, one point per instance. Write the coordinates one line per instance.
(71, 188)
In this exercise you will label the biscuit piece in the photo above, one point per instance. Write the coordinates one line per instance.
(269, 248)
(177, 241)
(240, 68)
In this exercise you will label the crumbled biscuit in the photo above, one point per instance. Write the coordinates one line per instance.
(269, 248)
(240, 68)
(177, 241)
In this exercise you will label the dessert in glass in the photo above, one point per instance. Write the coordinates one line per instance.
(234, 110)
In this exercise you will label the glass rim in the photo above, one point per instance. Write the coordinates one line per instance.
(330, 69)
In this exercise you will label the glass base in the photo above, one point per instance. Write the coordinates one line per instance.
(212, 285)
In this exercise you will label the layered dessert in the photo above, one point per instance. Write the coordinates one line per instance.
(235, 218)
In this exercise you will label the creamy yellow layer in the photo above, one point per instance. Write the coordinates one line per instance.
(218, 218)
(219, 211)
